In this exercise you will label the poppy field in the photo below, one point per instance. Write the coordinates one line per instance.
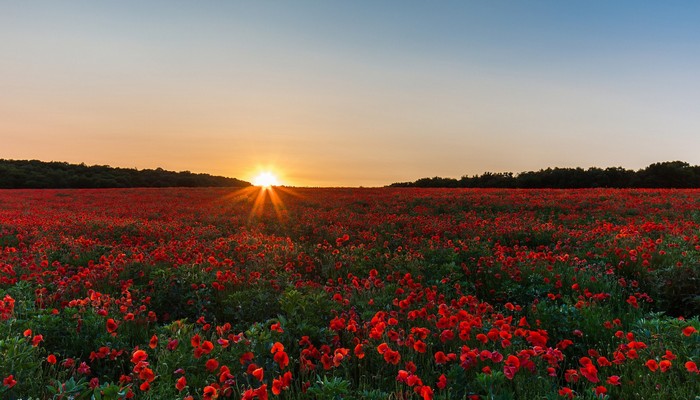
(387, 293)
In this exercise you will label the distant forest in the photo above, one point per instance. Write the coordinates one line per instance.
(15, 174)
(668, 174)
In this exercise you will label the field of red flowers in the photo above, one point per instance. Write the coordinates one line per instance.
(349, 294)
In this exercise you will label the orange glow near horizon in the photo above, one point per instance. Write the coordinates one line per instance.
(266, 180)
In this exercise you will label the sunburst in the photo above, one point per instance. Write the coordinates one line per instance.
(266, 180)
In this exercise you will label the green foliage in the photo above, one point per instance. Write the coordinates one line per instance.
(109, 391)
(80, 390)
(335, 388)
(8, 236)
(494, 386)
(306, 312)
(69, 389)
(184, 294)
(662, 333)
(71, 333)
(677, 289)
(22, 360)
(374, 394)
(246, 305)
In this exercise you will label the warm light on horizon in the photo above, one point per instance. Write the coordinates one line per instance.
(266, 179)
(349, 94)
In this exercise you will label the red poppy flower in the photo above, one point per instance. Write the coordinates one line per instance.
(282, 359)
(590, 372)
(665, 365)
(207, 347)
(513, 361)
(276, 387)
(564, 344)
(258, 373)
(210, 393)
(224, 374)
(246, 357)
(276, 347)
(147, 374)
(566, 392)
(251, 367)
(195, 340)
(9, 381)
(211, 365)
(614, 380)
(83, 368)
(600, 390)
(327, 362)
(337, 324)
(440, 358)
(441, 382)
(512, 365)
(571, 375)
(419, 346)
(339, 355)
(281, 383)
(652, 365)
(261, 392)
(392, 357)
(426, 392)
(276, 327)
(359, 351)
(180, 384)
(138, 356)
(111, 326)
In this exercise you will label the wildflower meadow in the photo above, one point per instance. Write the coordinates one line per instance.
(386, 293)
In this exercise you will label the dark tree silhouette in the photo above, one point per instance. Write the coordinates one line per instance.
(16, 174)
(669, 174)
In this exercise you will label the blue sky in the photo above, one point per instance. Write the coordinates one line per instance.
(350, 93)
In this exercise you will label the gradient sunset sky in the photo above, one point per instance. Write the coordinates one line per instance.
(330, 93)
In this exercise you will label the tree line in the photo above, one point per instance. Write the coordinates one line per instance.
(668, 174)
(15, 174)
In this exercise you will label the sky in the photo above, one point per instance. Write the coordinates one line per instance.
(350, 93)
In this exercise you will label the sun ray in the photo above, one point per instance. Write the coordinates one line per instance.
(277, 204)
(267, 196)
(265, 193)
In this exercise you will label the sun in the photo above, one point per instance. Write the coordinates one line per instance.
(266, 180)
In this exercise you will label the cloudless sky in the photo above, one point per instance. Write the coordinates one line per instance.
(331, 93)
